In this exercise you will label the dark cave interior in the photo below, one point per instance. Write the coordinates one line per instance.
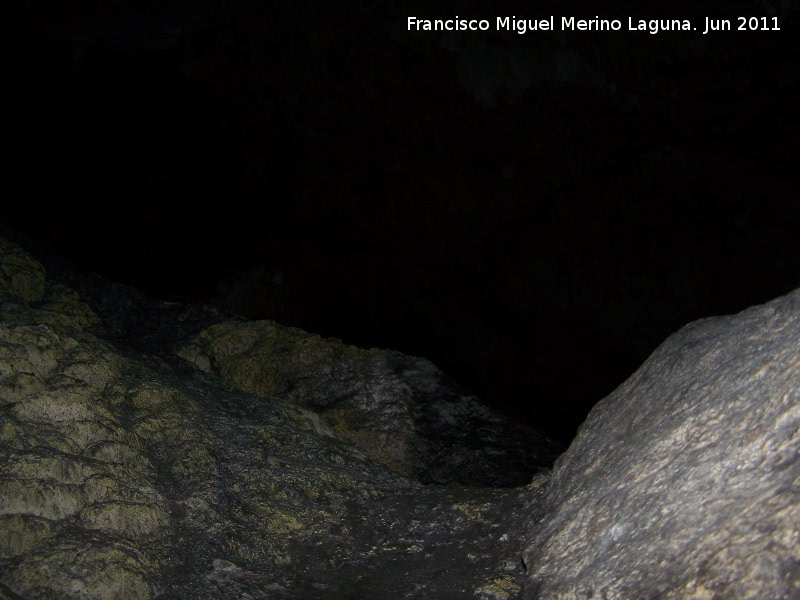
(534, 213)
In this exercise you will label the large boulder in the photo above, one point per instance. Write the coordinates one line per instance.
(684, 483)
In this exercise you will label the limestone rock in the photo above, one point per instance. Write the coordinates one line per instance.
(126, 475)
(126, 472)
(398, 409)
(683, 483)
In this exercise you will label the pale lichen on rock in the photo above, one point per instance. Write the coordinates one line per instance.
(259, 468)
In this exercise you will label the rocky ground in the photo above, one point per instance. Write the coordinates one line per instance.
(155, 450)
(272, 464)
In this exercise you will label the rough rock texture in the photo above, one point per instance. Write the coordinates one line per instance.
(400, 410)
(685, 482)
(129, 474)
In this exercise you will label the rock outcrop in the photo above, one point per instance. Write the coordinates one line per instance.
(400, 410)
(685, 482)
(129, 473)
(271, 463)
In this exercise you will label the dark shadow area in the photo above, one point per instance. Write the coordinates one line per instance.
(534, 213)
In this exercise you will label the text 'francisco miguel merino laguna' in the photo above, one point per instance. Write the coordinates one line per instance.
(651, 26)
